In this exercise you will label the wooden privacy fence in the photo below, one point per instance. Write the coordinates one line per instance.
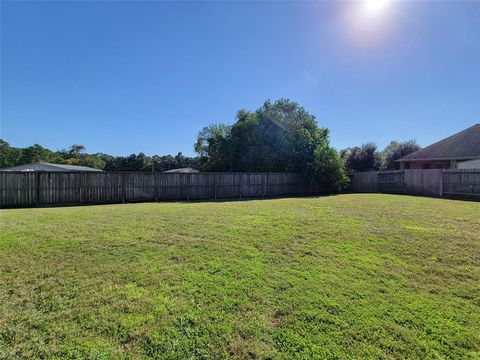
(27, 189)
(432, 182)
(391, 181)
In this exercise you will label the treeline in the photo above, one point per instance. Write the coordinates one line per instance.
(76, 155)
(368, 158)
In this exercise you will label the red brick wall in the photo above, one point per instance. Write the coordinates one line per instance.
(430, 164)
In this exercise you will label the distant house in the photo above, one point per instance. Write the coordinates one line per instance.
(48, 167)
(459, 151)
(182, 170)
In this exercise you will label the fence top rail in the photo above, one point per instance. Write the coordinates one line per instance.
(149, 172)
(447, 171)
(384, 172)
(364, 172)
(462, 171)
(425, 170)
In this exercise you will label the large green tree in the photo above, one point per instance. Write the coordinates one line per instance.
(279, 136)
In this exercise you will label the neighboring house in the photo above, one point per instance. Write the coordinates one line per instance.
(459, 151)
(48, 167)
(182, 170)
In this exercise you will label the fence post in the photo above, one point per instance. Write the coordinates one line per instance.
(124, 187)
(441, 182)
(264, 184)
(37, 188)
(81, 188)
(155, 185)
(215, 186)
(188, 186)
(240, 186)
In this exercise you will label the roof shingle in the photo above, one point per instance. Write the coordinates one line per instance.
(462, 145)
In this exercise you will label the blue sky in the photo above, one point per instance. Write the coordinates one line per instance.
(125, 77)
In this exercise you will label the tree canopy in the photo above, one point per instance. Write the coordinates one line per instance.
(396, 150)
(363, 158)
(279, 136)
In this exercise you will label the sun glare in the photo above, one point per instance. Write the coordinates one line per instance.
(367, 22)
(375, 6)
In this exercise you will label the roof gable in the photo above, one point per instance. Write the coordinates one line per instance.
(462, 145)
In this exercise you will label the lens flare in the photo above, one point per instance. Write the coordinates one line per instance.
(375, 6)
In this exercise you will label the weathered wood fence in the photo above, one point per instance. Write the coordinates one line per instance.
(432, 182)
(28, 189)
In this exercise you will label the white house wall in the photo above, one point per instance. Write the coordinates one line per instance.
(470, 164)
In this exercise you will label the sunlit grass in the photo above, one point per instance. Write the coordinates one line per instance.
(375, 276)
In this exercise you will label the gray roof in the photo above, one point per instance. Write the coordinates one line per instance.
(182, 170)
(463, 145)
(48, 167)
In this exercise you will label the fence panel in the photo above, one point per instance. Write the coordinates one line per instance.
(283, 183)
(139, 187)
(365, 182)
(461, 182)
(391, 182)
(252, 184)
(18, 191)
(201, 186)
(228, 185)
(424, 182)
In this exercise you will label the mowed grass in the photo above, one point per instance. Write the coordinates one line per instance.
(347, 276)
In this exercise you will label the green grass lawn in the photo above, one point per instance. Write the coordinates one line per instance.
(348, 276)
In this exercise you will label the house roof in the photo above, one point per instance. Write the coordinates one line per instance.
(182, 170)
(463, 145)
(49, 167)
